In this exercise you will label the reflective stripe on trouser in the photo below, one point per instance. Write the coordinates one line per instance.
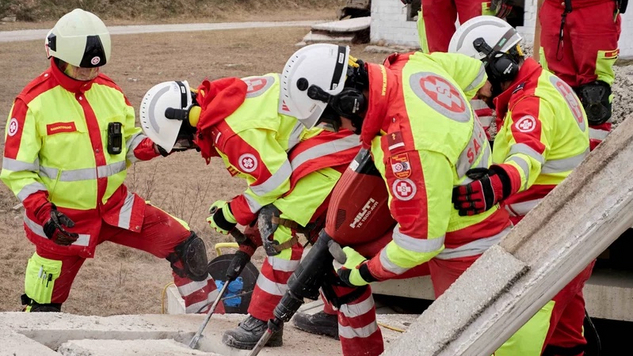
(272, 282)
(198, 296)
(357, 327)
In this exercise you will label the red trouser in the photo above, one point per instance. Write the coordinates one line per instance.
(358, 330)
(439, 18)
(590, 41)
(566, 322)
(159, 235)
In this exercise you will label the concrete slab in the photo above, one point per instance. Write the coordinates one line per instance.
(312, 37)
(349, 25)
(128, 348)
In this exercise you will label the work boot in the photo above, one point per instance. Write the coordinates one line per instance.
(320, 323)
(246, 335)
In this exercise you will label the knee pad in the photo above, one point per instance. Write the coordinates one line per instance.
(192, 253)
(594, 97)
(34, 307)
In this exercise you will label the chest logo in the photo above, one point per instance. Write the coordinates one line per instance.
(13, 126)
(526, 124)
(248, 162)
(403, 189)
(59, 127)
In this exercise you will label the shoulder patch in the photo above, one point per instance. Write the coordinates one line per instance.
(525, 124)
(14, 126)
(441, 95)
(256, 86)
(248, 162)
(572, 100)
(403, 189)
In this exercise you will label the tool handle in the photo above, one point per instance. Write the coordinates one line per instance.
(336, 251)
(194, 341)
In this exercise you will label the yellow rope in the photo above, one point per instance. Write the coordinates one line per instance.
(391, 327)
(162, 297)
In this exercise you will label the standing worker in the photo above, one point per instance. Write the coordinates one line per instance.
(416, 118)
(579, 40)
(69, 139)
(542, 136)
(290, 172)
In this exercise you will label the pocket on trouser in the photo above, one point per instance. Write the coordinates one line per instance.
(40, 277)
(530, 338)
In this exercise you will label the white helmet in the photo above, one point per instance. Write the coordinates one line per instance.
(163, 109)
(79, 38)
(497, 34)
(309, 78)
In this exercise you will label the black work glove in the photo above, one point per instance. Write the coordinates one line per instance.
(236, 266)
(489, 187)
(54, 228)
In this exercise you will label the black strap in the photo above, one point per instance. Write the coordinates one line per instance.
(563, 19)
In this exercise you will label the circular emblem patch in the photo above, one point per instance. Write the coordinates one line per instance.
(403, 189)
(572, 100)
(248, 162)
(256, 86)
(95, 60)
(13, 126)
(441, 95)
(526, 124)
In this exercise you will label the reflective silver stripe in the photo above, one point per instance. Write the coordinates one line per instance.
(253, 205)
(196, 307)
(131, 145)
(522, 208)
(390, 266)
(279, 264)
(526, 150)
(82, 240)
(325, 149)
(271, 287)
(478, 79)
(282, 174)
(30, 189)
(353, 310)
(349, 332)
(125, 214)
(473, 248)
(417, 245)
(564, 164)
(598, 134)
(463, 162)
(16, 166)
(524, 165)
(84, 173)
(191, 287)
(295, 135)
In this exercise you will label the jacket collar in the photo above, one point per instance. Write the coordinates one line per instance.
(383, 85)
(527, 71)
(68, 83)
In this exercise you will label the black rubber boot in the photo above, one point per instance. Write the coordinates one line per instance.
(248, 333)
(320, 323)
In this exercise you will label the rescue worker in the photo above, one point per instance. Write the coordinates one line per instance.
(542, 136)
(69, 139)
(290, 172)
(436, 20)
(414, 115)
(579, 43)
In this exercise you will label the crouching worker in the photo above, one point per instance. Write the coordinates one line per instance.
(289, 170)
(424, 139)
(69, 140)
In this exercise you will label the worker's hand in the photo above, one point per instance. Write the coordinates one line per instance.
(221, 219)
(251, 239)
(489, 187)
(236, 266)
(355, 271)
(501, 8)
(56, 224)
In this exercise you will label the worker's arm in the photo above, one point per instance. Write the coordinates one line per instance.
(421, 204)
(256, 155)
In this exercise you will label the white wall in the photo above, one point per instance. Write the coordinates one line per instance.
(389, 24)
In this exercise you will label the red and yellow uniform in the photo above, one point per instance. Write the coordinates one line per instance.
(542, 137)
(436, 20)
(283, 164)
(56, 150)
(588, 48)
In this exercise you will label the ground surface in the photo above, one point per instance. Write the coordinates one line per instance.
(121, 280)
